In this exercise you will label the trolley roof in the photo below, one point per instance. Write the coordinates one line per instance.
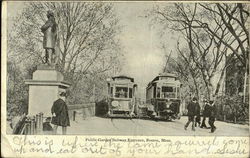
(168, 75)
(123, 77)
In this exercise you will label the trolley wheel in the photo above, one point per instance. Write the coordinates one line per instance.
(170, 118)
(108, 114)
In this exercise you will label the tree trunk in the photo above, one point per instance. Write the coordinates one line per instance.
(196, 85)
(220, 82)
(245, 87)
(235, 120)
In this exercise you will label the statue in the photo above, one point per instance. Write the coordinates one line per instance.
(49, 30)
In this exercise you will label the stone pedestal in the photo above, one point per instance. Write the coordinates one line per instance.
(44, 88)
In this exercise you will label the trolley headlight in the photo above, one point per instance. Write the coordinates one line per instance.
(167, 105)
(115, 103)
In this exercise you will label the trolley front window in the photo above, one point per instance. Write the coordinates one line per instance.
(121, 92)
(168, 92)
(167, 89)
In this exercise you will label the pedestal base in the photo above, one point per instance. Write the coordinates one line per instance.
(47, 73)
(44, 89)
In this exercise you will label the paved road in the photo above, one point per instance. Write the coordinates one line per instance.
(142, 127)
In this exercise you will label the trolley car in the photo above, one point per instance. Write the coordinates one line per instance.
(163, 97)
(121, 101)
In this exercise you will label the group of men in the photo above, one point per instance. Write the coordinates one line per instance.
(194, 110)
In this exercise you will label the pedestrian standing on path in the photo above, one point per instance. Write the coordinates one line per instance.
(205, 114)
(60, 114)
(191, 113)
(198, 116)
(212, 116)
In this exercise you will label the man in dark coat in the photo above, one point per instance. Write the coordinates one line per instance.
(191, 113)
(206, 112)
(212, 116)
(60, 114)
(198, 117)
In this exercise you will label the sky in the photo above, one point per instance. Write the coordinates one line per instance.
(143, 57)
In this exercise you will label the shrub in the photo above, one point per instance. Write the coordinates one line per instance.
(232, 107)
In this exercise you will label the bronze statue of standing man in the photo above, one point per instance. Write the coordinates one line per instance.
(49, 30)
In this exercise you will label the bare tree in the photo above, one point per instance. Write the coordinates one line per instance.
(234, 18)
(186, 70)
(87, 41)
(208, 46)
(86, 33)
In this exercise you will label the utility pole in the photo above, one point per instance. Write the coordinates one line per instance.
(94, 92)
(245, 83)
(165, 67)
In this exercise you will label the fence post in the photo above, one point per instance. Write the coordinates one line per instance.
(28, 128)
(224, 117)
(235, 119)
(32, 126)
(36, 123)
(84, 113)
(74, 115)
(40, 123)
(94, 105)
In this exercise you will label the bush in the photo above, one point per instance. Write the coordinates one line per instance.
(17, 92)
(232, 107)
(101, 108)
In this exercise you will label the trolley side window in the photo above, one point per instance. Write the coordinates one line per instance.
(178, 92)
(111, 91)
(121, 92)
(130, 92)
(158, 92)
(154, 93)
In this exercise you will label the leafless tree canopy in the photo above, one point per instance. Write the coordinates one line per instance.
(87, 43)
(86, 35)
(209, 33)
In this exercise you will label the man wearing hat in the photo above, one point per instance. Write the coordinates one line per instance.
(60, 114)
(198, 117)
(205, 114)
(212, 116)
(192, 106)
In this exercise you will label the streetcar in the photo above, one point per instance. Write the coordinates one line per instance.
(121, 100)
(163, 97)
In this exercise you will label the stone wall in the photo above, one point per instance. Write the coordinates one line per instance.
(81, 111)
